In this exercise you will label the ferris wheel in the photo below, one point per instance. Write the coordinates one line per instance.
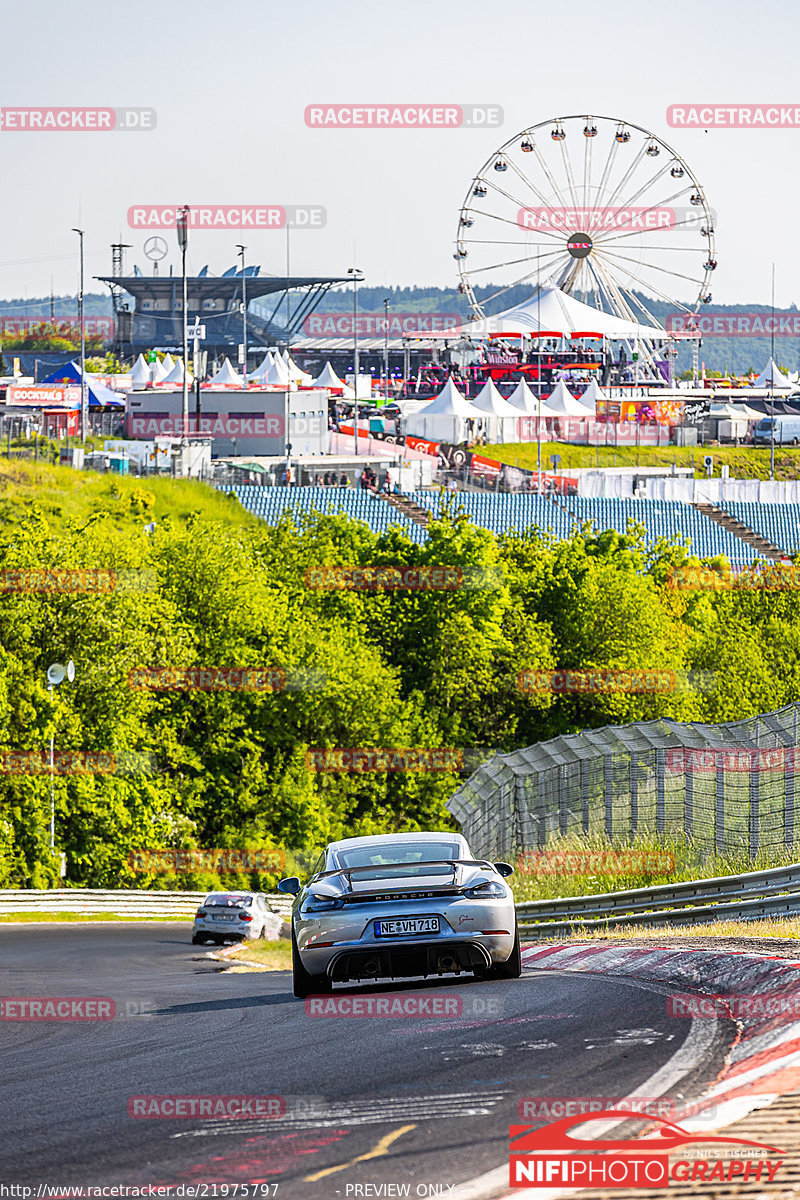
(602, 209)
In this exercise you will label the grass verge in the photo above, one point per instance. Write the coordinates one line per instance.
(275, 956)
(62, 917)
(644, 861)
(785, 927)
(745, 462)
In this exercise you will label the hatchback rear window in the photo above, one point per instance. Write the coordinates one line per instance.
(227, 900)
(390, 854)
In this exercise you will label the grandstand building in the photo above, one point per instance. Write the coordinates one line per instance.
(148, 308)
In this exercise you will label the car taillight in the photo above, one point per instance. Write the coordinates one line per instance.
(201, 912)
(245, 917)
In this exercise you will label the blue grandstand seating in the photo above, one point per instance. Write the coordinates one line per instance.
(778, 523)
(502, 512)
(271, 503)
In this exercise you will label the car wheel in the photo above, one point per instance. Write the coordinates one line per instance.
(512, 967)
(303, 982)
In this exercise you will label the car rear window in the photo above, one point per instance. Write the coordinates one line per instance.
(392, 854)
(227, 900)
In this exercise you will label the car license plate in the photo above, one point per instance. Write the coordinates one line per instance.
(406, 926)
(224, 917)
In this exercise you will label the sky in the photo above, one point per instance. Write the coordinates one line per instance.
(230, 84)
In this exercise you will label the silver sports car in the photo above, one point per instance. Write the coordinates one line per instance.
(401, 905)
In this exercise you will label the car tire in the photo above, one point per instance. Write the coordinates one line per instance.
(512, 967)
(303, 982)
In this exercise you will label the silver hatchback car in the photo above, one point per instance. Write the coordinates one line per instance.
(401, 905)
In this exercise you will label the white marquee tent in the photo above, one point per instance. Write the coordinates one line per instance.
(141, 374)
(225, 377)
(772, 377)
(523, 398)
(593, 393)
(260, 373)
(328, 378)
(277, 374)
(159, 372)
(551, 309)
(500, 418)
(445, 418)
(562, 403)
(176, 374)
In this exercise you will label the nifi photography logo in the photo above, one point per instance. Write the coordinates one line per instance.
(550, 1156)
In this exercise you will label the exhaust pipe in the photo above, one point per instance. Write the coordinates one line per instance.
(447, 963)
(371, 968)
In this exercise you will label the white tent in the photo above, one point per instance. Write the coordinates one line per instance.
(562, 403)
(260, 373)
(225, 377)
(593, 393)
(159, 371)
(772, 377)
(328, 378)
(168, 362)
(141, 374)
(445, 418)
(176, 374)
(523, 398)
(500, 420)
(297, 374)
(277, 374)
(733, 412)
(551, 309)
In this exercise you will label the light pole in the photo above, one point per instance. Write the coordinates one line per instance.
(386, 345)
(355, 273)
(83, 340)
(56, 674)
(772, 384)
(241, 250)
(183, 241)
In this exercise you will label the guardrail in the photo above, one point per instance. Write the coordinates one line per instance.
(121, 902)
(775, 892)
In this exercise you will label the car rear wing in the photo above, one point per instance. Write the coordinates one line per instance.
(394, 869)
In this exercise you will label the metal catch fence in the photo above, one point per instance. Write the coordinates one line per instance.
(728, 788)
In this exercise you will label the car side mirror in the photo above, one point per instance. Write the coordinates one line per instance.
(290, 885)
(504, 869)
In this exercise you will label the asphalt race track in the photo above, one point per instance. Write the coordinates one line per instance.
(424, 1102)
